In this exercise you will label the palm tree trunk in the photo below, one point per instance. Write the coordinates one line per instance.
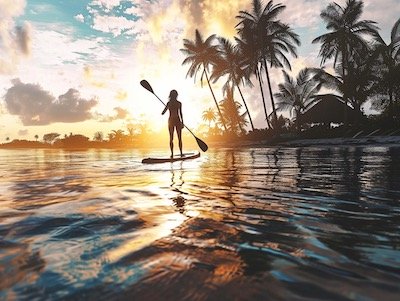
(240, 126)
(258, 75)
(391, 115)
(247, 109)
(298, 121)
(344, 69)
(270, 90)
(215, 100)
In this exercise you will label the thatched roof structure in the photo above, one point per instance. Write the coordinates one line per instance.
(329, 109)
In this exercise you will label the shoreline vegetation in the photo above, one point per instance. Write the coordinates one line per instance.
(314, 136)
(326, 104)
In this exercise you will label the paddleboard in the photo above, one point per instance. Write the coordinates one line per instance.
(186, 156)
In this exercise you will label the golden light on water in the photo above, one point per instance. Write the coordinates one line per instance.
(227, 218)
(144, 237)
(162, 212)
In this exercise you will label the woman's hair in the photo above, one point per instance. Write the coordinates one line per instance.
(173, 95)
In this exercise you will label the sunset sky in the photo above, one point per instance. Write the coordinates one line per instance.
(75, 66)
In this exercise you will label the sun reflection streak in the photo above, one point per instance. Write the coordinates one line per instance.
(147, 236)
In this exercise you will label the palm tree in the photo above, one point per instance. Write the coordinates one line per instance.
(250, 56)
(209, 116)
(296, 95)
(231, 111)
(388, 58)
(345, 41)
(272, 39)
(98, 136)
(201, 53)
(110, 136)
(118, 135)
(50, 137)
(131, 132)
(358, 88)
(231, 63)
(281, 39)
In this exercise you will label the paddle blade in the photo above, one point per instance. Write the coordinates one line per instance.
(203, 146)
(145, 84)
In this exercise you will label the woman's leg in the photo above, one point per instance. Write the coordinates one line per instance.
(171, 139)
(179, 133)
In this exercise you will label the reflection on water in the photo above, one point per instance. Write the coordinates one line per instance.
(250, 224)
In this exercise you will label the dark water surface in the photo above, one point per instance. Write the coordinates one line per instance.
(249, 224)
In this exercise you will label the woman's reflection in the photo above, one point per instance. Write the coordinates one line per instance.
(177, 182)
(177, 176)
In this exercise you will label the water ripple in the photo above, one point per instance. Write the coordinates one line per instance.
(250, 224)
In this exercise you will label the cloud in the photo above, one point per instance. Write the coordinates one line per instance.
(79, 18)
(306, 14)
(303, 13)
(23, 132)
(35, 106)
(15, 40)
(134, 10)
(219, 17)
(107, 4)
(67, 47)
(386, 13)
(113, 24)
(107, 20)
(180, 18)
(120, 114)
(163, 19)
(121, 95)
(88, 76)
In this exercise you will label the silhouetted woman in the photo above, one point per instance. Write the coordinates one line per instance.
(175, 120)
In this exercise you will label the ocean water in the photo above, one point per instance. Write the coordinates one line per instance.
(235, 224)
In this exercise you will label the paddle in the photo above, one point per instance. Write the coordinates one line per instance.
(203, 146)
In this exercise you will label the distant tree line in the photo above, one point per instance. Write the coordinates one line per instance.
(133, 136)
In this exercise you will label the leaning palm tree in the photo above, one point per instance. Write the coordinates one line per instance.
(250, 57)
(387, 57)
(272, 39)
(209, 116)
(231, 64)
(250, 45)
(200, 54)
(296, 95)
(346, 40)
(281, 39)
